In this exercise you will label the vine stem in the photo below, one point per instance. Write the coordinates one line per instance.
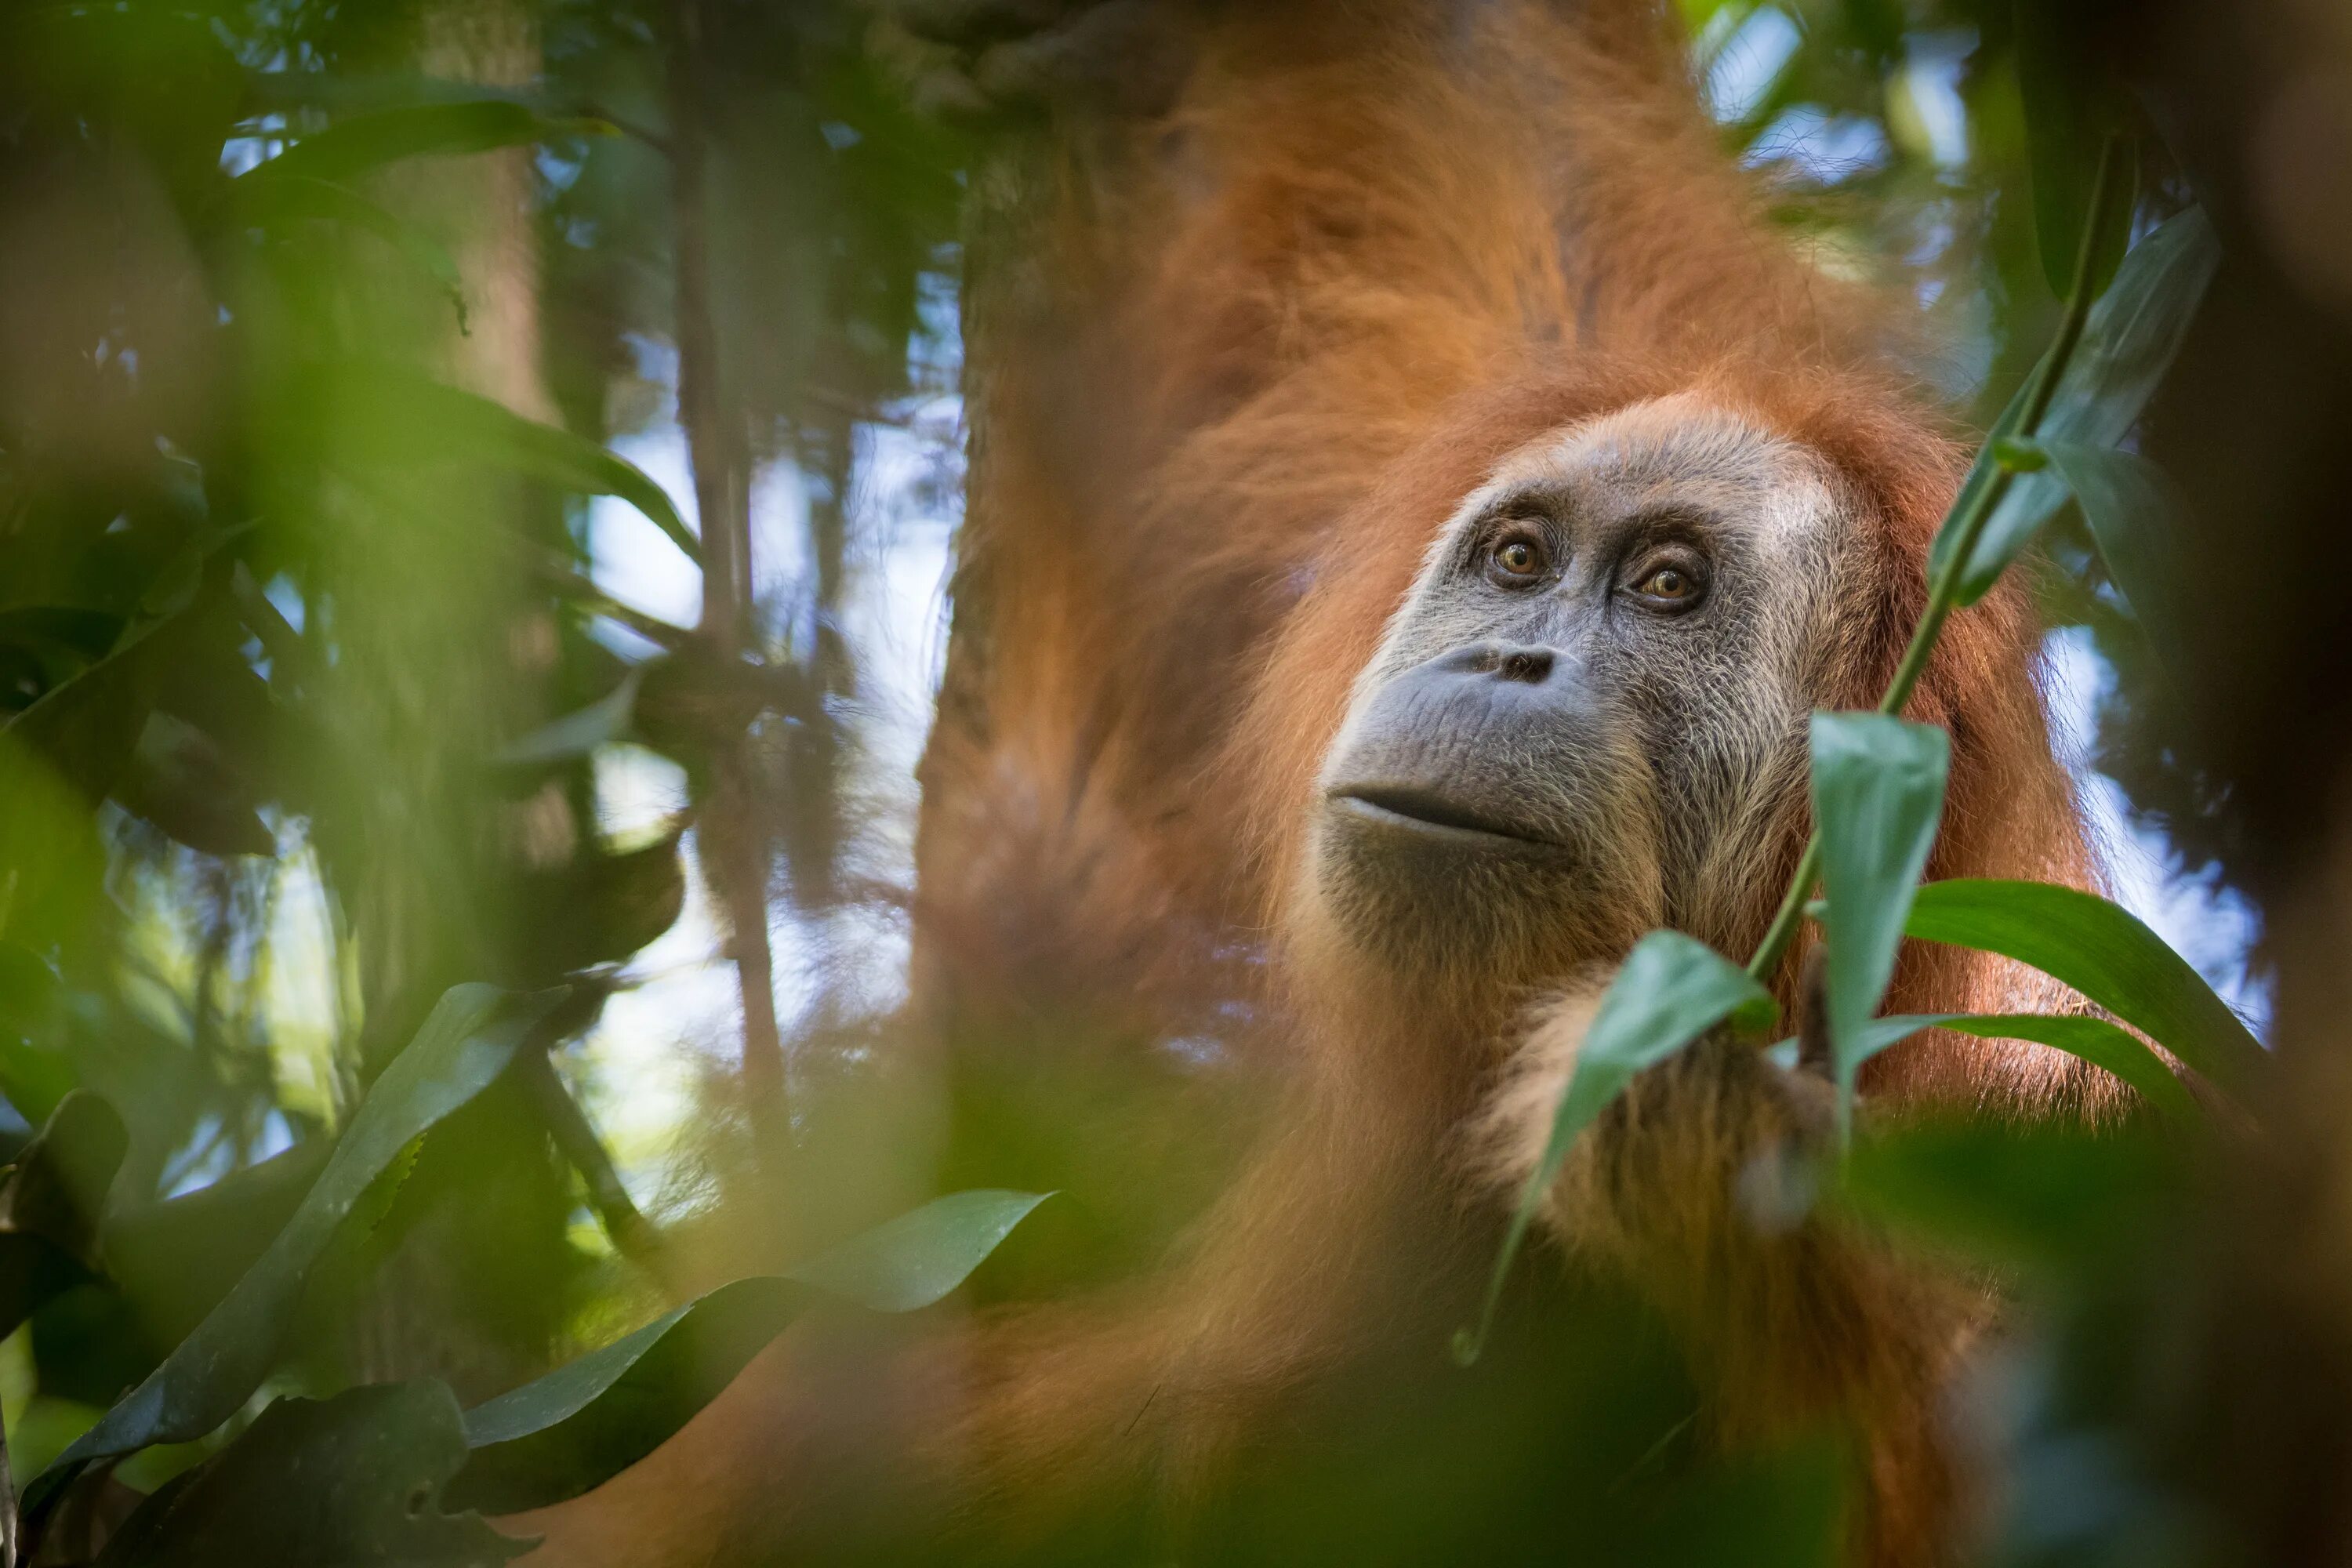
(1976, 505)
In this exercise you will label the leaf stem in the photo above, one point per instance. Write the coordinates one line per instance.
(1975, 506)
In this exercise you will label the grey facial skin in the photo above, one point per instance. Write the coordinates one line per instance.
(1591, 710)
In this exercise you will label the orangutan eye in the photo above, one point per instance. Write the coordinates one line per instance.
(1517, 560)
(1670, 586)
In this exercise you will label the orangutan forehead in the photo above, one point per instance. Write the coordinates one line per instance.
(1681, 455)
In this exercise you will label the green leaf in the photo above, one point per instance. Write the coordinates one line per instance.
(1878, 794)
(88, 727)
(392, 415)
(2103, 951)
(366, 143)
(35, 1076)
(2126, 346)
(178, 781)
(2046, 1195)
(1670, 990)
(2138, 516)
(586, 1421)
(285, 199)
(913, 1261)
(177, 1258)
(470, 1037)
(52, 1203)
(2094, 1040)
(598, 910)
(75, 637)
(578, 732)
(352, 1479)
(2069, 114)
(1883, 1033)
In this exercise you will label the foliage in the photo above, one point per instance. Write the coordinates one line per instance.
(308, 671)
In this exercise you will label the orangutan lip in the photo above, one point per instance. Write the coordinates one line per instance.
(1420, 811)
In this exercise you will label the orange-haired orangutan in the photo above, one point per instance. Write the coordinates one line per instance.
(1416, 503)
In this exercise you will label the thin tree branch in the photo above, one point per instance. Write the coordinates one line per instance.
(734, 841)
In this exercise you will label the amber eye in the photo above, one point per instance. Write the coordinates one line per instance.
(1671, 585)
(1517, 561)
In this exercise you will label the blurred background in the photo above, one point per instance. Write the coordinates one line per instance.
(391, 678)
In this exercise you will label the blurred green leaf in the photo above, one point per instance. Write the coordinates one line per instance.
(913, 1261)
(2102, 951)
(585, 1422)
(392, 414)
(464, 1046)
(1670, 990)
(286, 199)
(580, 732)
(52, 1202)
(2046, 1195)
(599, 909)
(177, 1259)
(346, 92)
(79, 637)
(2069, 114)
(2137, 517)
(349, 1481)
(34, 1078)
(1878, 795)
(366, 143)
(2127, 347)
(87, 729)
(178, 781)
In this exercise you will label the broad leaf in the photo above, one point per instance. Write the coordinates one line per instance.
(586, 1421)
(76, 637)
(598, 910)
(87, 729)
(179, 1256)
(352, 1479)
(284, 199)
(1670, 990)
(2126, 346)
(51, 1205)
(2105, 953)
(580, 732)
(1878, 794)
(388, 414)
(469, 1040)
(2070, 113)
(35, 1077)
(2138, 516)
(2094, 1040)
(178, 780)
(2049, 1196)
(1879, 1034)
(911, 1261)
(366, 143)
